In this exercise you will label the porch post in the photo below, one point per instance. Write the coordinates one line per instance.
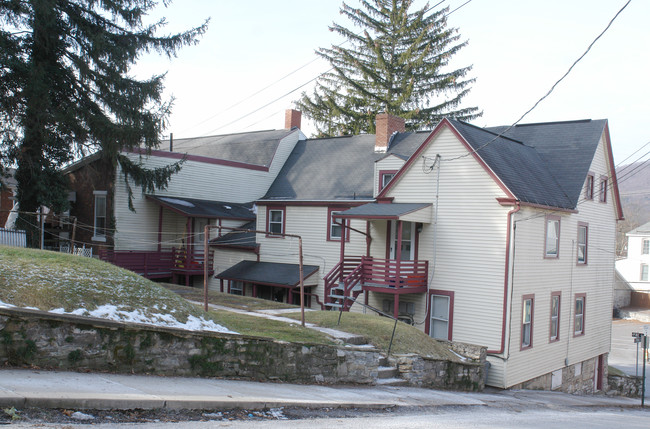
(290, 297)
(342, 247)
(398, 253)
(368, 238)
(160, 219)
(396, 307)
(221, 285)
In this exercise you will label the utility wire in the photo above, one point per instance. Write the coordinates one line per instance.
(501, 134)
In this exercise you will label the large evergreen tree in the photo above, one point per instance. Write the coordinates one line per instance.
(397, 64)
(66, 90)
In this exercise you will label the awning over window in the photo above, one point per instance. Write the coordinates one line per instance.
(409, 212)
(269, 273)
(191, 207)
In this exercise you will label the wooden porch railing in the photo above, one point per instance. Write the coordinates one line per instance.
(158, 264)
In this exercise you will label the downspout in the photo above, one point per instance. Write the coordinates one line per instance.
(506, 281)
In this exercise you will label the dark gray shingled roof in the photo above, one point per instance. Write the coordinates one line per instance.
(257, 148)
(338, 168)
(269, 273)
(566, 148)
(519, 166)
(192, 207)
(245, 240)
(382, 210)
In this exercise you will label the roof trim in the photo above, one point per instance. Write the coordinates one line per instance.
(612, 169)
(437, 130)
(198, 158)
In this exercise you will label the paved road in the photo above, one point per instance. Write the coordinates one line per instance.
(623, 354)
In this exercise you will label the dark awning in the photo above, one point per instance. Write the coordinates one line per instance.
(410, 212)
(269, 273)
(238, 239)
(192, 207)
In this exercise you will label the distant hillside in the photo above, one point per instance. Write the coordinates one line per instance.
(634, 186)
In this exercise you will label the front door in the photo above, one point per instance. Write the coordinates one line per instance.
(407, 244)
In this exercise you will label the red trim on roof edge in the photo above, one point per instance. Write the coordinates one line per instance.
(511, 201)
(348, 204)
(444, 123)
(198, 158)
(612, 169)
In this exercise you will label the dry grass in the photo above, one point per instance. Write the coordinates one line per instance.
(378, 330)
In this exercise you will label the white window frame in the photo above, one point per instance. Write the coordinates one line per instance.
(270, 222)
(602, 190)
(551, 221)
(555, 316)
(579, 316)
(527, 314)
(582, 253)
(440, 318)
(236, 287)
(645, 247)
(644, 272)
(99, 195)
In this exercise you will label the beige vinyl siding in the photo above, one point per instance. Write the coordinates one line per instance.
(139, 230)
(470, 241)
(311, 223)
(391, 162)
(534, 274)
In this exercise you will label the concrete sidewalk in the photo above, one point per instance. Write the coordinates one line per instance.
(23, 388)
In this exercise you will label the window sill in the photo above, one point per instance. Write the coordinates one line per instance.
(99, 238)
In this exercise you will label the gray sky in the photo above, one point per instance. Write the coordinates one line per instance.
(518, 49)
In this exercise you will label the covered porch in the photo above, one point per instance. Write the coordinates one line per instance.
(179, 252)
(270, 280)
(394, 269)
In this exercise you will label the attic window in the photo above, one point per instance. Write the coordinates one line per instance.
(552, 246)
(589, 190)
(603, 189)
(385, 176)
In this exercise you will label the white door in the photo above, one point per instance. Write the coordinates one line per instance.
(439, 317)
(408, 240)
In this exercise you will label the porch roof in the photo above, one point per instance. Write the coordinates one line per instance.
(192, 207)
(411, 212)
(268, 273)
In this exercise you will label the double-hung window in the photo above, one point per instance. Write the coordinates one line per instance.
(99, 227)
(579, 318)
(644, 272)
(552, 242)
(646, 247)
(555, 316)
(335, 228)
(589, 190)
(583, 236)
(603, 189)
(527, 321)
(441, 314)
(275, 221)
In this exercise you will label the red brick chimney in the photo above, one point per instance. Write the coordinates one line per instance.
(292, 118)
(387, 125)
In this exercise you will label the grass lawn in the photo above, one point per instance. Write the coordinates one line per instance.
(378, 330)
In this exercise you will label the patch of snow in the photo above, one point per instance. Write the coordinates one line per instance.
(228, 207)
(112, 312)
(176, 201)
(6, 305)
(77, 415)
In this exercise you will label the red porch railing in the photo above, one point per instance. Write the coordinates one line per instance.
(375, 274)
(159, 264)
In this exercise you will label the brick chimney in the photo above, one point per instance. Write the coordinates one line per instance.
(387, 125)
(292, 118)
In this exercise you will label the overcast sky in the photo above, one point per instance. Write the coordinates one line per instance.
(232, 81)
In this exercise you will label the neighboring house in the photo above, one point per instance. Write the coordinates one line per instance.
(634, 268)
(503, 241)
(163, 238)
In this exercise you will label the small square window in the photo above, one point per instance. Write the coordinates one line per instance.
(385, 176)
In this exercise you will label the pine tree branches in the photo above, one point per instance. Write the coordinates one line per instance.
(398, 64)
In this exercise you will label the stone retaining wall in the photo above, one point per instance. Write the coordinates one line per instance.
(31, 337)
(624, 385)
(440, 374)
